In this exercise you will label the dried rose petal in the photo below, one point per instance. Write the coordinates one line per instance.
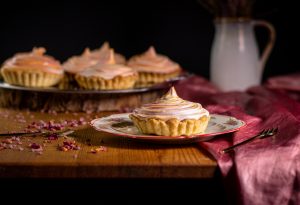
(98, 149)
(103, 149)
(69, 145)
(34, 146)
(7, 141)
(40, 149)
(14, 138)
(94, 151)
(63, 149)
(52, 137)
(77, 147)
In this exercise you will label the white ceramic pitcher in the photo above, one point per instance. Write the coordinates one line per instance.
(235, 63)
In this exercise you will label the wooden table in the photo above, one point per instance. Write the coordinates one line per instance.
(123, 158)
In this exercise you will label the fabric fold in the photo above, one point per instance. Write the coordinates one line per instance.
(264, 171)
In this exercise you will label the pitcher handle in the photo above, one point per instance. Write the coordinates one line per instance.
(272, 36)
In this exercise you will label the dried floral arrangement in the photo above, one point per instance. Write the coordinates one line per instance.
(229, 8)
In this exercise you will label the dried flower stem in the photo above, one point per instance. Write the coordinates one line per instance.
(228, 8)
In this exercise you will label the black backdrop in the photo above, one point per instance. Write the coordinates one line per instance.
(183, 30)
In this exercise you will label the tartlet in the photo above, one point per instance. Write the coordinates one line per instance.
(88, 58)
(153, 68)
(77, 64)
(32, 69)
(171, 116)
(107, 76)
(104, 51)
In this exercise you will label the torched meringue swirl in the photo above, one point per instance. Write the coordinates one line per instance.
(76, 64)
(152, 62)
(90, 58)
(171, 106)
(108, 70)
(35, 60)
(104, 51)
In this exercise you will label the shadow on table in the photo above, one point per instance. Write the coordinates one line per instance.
(96, 138)
(112, 191)
(123, 191)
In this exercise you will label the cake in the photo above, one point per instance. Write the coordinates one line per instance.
(107, 76)
(32, 69)
(171, 116)
(153, 68)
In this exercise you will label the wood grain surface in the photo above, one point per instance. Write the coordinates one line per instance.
(123, 158)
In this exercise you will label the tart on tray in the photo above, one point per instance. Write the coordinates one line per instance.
(88, 58)
(32, 69)
(153, 68)
(104, 50)
(107, 76)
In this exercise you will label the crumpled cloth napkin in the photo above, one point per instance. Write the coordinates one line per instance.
(265, 171)
(289, 82)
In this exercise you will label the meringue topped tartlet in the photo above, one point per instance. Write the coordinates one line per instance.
(104, 50)
(153, 68)
(78, 63)
(32, 69)
(171, 116)
(88, 58)
(107, 76)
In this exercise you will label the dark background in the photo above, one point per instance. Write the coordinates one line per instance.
(183, 30)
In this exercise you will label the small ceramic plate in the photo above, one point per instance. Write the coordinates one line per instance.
(121, 125)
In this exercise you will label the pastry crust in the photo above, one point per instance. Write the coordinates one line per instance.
(107, 76)
(171, 127)
(170, 116)
(31, 78)
(97, 83)
(149, 79)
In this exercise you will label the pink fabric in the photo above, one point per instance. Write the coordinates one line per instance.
(264, 171)
(289, 82)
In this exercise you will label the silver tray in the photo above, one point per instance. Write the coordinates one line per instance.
(159, 86)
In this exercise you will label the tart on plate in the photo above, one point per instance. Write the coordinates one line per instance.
(32, 69)
(171, 116)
